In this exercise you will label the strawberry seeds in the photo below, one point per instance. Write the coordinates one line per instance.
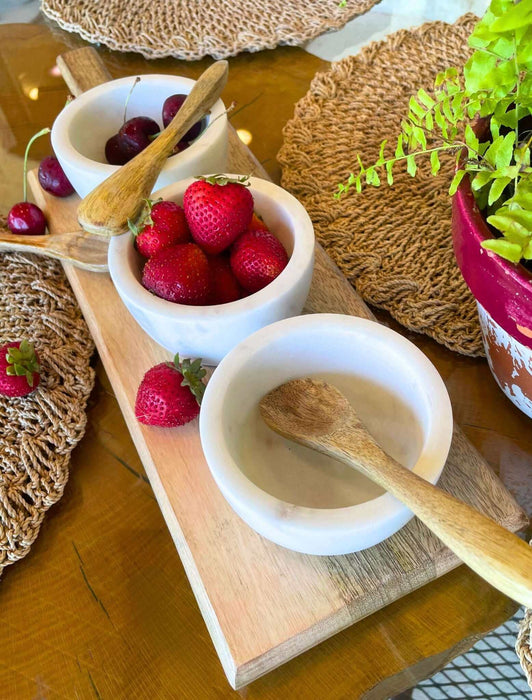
(213, 250)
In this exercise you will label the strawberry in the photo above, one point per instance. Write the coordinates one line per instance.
(19, 369)
(257, 223)
(162, 225)
(170, 393)
(257, 258)
(179, 274)
(224, 285)
(218, 210)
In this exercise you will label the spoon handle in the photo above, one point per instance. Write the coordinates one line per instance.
(496, 554)
(79, 248)
(105, 211)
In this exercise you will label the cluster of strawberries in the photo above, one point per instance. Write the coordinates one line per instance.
(214, 250)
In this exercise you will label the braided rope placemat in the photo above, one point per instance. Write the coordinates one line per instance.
(192, 29)
(39, 431)
(523, 644)
(393, 243)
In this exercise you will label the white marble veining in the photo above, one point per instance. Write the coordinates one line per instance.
(393, 385)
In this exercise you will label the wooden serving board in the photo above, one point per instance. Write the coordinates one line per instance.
(262, 604)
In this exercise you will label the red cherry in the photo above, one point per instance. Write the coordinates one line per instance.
(117, 151)
(171, 107)
(26, 218)
(136, 132)
(53, 179)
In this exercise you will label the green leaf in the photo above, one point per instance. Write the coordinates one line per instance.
(399, 151)
(518, 15)
(504, 153)
(471, 138)
(434, 163)
(411, 167)
(381, 158)
(520, 216)
(415, 108)
(480, 65)
(420, 138)
(506, 249)
(425, 99)
(497, 188)
(457, 179)
(389, 175)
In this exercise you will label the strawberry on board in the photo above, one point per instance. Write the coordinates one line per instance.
(179, 274)
(257, 258)
(223, 283)
(170, 393)
(163, 224)
(218, 210)
(19, 369)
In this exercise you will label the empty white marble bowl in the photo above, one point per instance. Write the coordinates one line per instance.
(82, 128)
(290, 494)
(210, 332)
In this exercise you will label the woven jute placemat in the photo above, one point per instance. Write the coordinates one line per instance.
(39, 431)
(393, 243)
(523, 645)
(192, 29)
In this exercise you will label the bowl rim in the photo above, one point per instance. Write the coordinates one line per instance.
(61, 142)
(302, 256)
(247, 497)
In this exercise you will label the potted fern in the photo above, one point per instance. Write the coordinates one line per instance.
(484, 116)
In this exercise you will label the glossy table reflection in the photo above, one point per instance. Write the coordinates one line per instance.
(101, 607)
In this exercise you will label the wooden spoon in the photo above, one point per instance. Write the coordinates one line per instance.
(79, 248)
(105, 211)
(317, 415)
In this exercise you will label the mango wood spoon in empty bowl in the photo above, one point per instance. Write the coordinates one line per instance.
(105, 211)
(317, 415)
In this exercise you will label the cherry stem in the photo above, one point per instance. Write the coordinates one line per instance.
(42, 132)
(137, 80)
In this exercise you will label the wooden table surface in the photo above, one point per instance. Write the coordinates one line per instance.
(101, 606)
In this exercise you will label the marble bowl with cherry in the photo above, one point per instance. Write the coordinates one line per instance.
(82, 129)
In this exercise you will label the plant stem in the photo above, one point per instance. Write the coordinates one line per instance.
(518, 78)
(42, 132)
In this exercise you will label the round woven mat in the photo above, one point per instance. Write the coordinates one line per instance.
(393, 243)
(192, 29)
(523, 645)
(39, 431)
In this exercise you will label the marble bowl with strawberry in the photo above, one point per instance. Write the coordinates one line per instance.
(83, 128)
(200, 328)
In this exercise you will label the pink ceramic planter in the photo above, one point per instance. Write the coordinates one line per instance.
(503, 291)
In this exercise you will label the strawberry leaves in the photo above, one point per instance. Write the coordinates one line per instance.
(22, 362)
(193, 374)
(224, 179)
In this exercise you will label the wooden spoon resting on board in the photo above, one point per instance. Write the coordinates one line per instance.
(105, 211)
(317, 415)
(79, 248)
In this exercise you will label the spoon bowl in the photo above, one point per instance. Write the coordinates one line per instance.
(317, 415)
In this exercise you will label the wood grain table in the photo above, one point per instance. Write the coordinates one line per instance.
(101, 607)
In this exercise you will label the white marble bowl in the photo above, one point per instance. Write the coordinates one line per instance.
(210, 332)
(290, 494)
(82, 128)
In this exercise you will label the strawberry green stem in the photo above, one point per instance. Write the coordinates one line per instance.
(42, 132)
